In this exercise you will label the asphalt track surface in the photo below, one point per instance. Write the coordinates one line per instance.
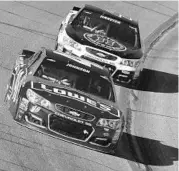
(151, 110)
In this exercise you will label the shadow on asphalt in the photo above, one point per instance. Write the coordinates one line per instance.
(156, 81)
(153, 152)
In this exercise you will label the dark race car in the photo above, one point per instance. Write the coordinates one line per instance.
(69, 98)
(108, 39)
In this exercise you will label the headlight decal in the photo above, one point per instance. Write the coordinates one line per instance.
(69, 41)
(130, 63)
(24, 104)
(109, 123)
(34, 98)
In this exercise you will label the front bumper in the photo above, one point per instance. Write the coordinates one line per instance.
(53, 124)
(119, 73)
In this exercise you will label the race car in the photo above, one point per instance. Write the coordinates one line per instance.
(108, 39)
(69, 98)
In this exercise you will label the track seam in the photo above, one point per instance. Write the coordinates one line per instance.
(127, 2)
(30, 30)
(155, 114)
(12, 13)
(40, 9)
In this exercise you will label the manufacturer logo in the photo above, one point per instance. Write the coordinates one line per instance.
(101, 55)
(105, 42)
(71, 112)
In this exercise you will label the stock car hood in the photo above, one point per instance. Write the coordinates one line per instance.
(91, 39)
(72, 98)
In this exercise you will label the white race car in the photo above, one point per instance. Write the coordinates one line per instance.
(110, 40)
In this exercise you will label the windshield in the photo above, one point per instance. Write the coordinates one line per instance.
(77, 77)
(115, 29)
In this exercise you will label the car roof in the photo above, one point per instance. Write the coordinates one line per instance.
(109, 14)
(77, 61)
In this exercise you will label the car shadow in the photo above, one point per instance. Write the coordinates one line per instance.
(156, 81)
(152, 152)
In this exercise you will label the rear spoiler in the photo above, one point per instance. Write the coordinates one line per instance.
(76, 8)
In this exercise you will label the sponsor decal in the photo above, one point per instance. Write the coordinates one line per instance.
(98, 59)
(73, 119)
(78, 68)
(69, 94)
(69, 118)
(105, 42)
(110, 19)
(81, 61)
